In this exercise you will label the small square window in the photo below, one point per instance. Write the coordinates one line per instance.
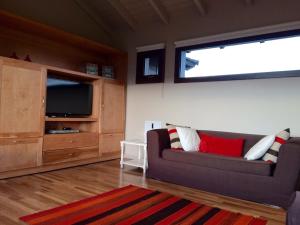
(150, 66)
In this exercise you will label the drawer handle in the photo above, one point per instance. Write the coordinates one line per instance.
(71, 141)
(15, 141)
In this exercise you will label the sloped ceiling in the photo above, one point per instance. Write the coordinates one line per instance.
(105, 20)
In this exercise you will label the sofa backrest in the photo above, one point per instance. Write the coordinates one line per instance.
(250, 139)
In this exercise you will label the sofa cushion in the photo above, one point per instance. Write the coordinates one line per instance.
(234, 164)
(189, 138)
(174, 137)
(260, 148)
(250, 139)
(273, 152)
(221, 146)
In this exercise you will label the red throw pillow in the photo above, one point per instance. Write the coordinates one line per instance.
(221, 146)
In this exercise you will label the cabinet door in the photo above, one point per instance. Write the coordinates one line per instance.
(112, 107)
(21, 100)
(20, 153)
(110, 144)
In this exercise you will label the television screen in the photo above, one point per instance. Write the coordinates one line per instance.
(67, 98)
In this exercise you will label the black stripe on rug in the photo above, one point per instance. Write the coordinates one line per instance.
(163, 213)
(207, 216)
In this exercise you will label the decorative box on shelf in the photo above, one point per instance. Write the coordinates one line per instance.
(91, 68)
(108, 71)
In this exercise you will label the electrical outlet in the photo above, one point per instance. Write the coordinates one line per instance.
(151, 125)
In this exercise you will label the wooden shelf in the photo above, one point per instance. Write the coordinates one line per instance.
(72, 74)
(70, 134)
(58, 119)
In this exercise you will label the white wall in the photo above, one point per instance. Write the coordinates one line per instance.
(250, 106)
(253, 106)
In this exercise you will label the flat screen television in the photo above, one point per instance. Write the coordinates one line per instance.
(66, 98)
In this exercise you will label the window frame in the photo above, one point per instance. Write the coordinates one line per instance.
(140, 76)
(234, 41)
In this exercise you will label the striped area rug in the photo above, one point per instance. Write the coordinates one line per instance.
(135, 205)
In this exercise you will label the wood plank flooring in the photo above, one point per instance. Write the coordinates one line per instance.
(28, 194)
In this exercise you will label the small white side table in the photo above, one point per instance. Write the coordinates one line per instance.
(140, 161)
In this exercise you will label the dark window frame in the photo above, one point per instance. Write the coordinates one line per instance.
(242, 40)
(140, 77)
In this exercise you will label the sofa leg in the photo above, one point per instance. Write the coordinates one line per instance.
(293, 215)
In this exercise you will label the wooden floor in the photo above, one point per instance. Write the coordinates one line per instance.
(28, 194)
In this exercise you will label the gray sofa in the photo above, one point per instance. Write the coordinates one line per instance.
(256, 181)
(293, 215)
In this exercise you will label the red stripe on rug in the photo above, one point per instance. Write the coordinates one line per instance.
(218, 218)
(199, 213)
(258, 222)
(46, 212)
(243, 220)
(84, 207)
(39, 215)
(137, 194)
(179, 214)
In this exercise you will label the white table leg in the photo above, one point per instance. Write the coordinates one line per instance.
(122, 154)
(139, 152)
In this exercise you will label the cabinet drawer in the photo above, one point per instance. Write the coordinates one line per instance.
(70, 154)
(20, 153)
(62, 141)
(110, 143)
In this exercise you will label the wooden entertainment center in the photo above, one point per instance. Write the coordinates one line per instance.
(25, 146)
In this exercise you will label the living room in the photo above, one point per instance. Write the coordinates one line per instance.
(99, 51)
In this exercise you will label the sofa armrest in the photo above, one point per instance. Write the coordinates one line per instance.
(157, 141)
(288, 166)
(293, 215)
(294, 140)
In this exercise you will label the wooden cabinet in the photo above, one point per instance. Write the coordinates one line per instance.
(22, 87)
(26, 148)
(112, 107)
(110, 143)
(20, 153)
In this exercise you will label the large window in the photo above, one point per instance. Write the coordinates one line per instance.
(263, 56)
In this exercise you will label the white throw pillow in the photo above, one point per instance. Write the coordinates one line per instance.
(189, 138)
(260, 148)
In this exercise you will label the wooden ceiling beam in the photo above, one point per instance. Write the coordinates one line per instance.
(160, 10)
(123, 12)
(200, 7)
(94, 16)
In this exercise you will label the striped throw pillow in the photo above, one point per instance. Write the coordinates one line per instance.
(174, 138)
(273, 152)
